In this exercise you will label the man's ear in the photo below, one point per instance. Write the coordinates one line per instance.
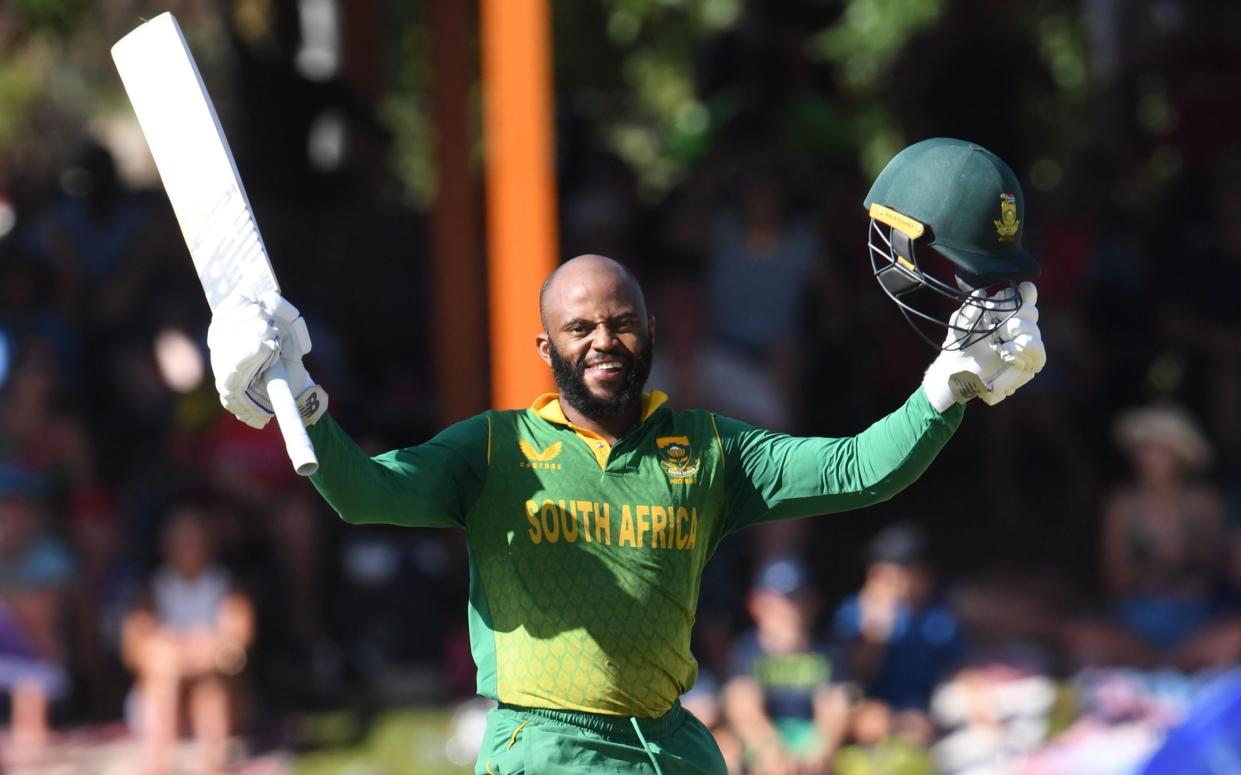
(650, 324)
(544, 343)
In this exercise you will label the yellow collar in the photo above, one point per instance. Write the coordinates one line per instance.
(547, 406)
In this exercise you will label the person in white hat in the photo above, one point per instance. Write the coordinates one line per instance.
(1163, 546)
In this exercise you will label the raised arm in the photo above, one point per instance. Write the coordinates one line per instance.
(776, 476)
(430, 485)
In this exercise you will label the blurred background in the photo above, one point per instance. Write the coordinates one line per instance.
(1061, 593)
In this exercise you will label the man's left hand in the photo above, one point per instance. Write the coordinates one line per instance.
(1019, 343)
(995, 366)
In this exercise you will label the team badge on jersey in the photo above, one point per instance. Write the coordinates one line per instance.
(537, 458)
(677, 458)
(1006, 227)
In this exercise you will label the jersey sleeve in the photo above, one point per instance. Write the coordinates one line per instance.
(774, 476)
(430, 485)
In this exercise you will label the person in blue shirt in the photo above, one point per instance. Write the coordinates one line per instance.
(35, 570)
(785, 696)
(900, 639)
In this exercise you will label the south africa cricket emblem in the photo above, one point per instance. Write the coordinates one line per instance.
(1008, 224)
(677, 458)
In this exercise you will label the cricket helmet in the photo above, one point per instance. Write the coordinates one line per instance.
(946, 218)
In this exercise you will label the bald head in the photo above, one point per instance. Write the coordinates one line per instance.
(588, 271)
(597, 339)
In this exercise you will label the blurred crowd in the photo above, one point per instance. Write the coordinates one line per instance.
(1058, 594)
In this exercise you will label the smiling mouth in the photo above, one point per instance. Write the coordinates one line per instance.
(606, 367)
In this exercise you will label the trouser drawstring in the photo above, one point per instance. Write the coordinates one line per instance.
(645, 746)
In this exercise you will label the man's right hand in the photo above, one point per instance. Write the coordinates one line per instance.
(245, 339)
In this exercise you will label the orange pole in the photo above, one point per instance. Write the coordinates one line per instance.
(521, 191)
(459, 303)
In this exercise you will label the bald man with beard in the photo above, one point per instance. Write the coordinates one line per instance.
(589, 517)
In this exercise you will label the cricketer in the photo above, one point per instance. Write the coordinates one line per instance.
(590, 515)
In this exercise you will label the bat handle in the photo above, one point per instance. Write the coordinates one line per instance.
(296, 440)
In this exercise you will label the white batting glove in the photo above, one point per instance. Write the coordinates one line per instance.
(245, 339)
(1019, 343)
(996, 365)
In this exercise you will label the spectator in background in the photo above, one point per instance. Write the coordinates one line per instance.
(873, 746)
(35, 569)
(103, 591)
(1003, 702)
(1164, 544)
(763, 260)
(784, 698)
(900, 639)
(990, 714)
(1202, 318)
(703, 700)
(27, 311)
(186, 645)
(299, 659)
(1163, 530)
(92, 235)
(35, 430)
(1121, 718)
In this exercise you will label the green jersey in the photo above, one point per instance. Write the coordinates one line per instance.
(585, 557)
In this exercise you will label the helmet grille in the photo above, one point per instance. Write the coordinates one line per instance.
(894, 261)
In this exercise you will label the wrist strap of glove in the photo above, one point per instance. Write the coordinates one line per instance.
(311, 404)
(965, 385)
(943, 390)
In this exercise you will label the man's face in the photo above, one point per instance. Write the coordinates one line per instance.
(598, 342)
(786, 615)
(596, 386)
(186, 547)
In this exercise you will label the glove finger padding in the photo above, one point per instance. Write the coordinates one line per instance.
(245, 339)
(278, 307)
(243, 344)
(1026, 353)
(958, 374)
(1021, 343)
(1029, 293)
(293, 340)
(1005, 383)
(1027, 289)
(963, 322)
(1000, 304)
(1016, 327)
(995, 366)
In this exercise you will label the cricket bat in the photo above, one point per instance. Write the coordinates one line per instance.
(200, 176)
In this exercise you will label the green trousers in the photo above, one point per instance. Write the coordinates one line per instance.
(534, 741)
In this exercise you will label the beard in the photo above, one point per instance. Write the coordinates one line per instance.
(571, 382)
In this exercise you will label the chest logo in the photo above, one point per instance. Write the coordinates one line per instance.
(536, 458)
(677, 458)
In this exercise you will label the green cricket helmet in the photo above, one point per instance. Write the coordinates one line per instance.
(963, 204)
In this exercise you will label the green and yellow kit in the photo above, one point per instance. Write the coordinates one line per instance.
(586, 557)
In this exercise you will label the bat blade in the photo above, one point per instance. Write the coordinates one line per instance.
(194, 160)
(200, 176)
